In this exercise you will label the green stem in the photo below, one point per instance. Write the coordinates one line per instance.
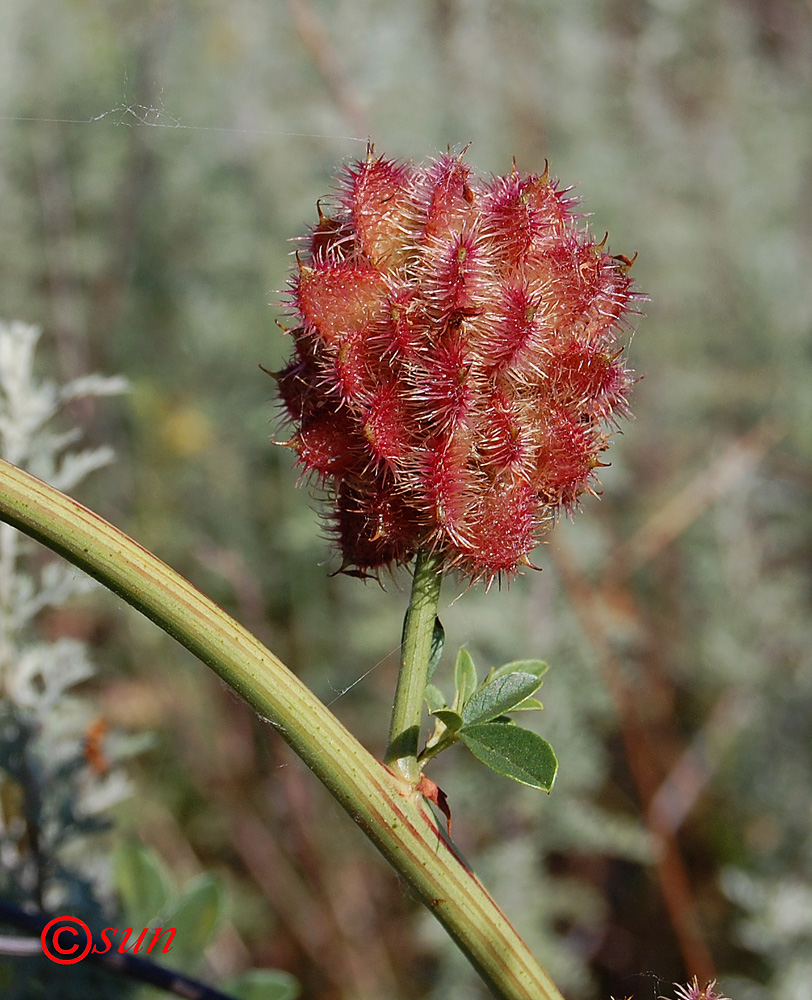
(418, 629)
(387, 807)
(445, 742)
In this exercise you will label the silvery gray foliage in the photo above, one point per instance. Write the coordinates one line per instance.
(49, 795)
(777, 925)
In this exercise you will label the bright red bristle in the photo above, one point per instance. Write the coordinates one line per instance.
(513, 338)
(355, 369)
(505, 443)
(388, 426)
(449, 487)
(331, 239)
(406, 329)
(504, 528)
(457, 278)
(567, 456)
(339, 299)
(451, 198)
(324, 445)
(443, 388)
(589, 379)
(374, 527)
(381, 203)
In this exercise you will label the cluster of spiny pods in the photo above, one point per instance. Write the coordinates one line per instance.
(455, 367)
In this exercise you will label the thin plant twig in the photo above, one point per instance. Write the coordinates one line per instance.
(689, 503)
(325, 58)
(590, 601)
(640, 751)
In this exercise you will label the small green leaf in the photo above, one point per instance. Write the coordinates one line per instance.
(263, 984)
(528, 705)
(195, 914)
(437, 644)
(465, 679)
(434, 698)
(451, 720)
(516, 753)
(499, 696)
(537, 667)
(142, 880)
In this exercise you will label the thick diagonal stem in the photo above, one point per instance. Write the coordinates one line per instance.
(387, 807)
(418, 630)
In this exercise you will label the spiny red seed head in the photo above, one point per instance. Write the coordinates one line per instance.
(455, 362)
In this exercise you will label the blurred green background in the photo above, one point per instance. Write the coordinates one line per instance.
(156, 160)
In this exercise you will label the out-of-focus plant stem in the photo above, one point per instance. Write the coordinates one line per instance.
(418, 629)
(384, 804)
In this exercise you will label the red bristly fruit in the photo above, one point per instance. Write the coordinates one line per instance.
(455, 364)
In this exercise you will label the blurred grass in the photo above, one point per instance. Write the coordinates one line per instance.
(152, 241)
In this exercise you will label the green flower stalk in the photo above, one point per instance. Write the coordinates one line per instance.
(418, 632)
